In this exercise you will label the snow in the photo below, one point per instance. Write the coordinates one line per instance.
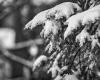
(91, 17)
(54, 69)
(73, 23)
(53, 55)
(64, 68)
(58, 77)
(39, 19)
(82, 37)
(49, 47)
(38, 61)
(65, 9)
(94, 8)
(59, 56)
(47, 28)
(51, 26)
(94, 41)
(83, 18)
(70, 77)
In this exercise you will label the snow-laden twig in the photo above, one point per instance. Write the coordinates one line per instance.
(83, 18)
(65, 9)
(39, 19)
(70, 77)
(81, 38)
(39, 61)
(51, 27)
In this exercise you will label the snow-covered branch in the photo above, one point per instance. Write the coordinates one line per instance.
(72, 37)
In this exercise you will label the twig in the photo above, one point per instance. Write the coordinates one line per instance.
(15, 58)
(27, 44)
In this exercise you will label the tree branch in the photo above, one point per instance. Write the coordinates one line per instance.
(11, 56)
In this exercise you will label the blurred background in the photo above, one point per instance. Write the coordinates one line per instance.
(18, 47)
